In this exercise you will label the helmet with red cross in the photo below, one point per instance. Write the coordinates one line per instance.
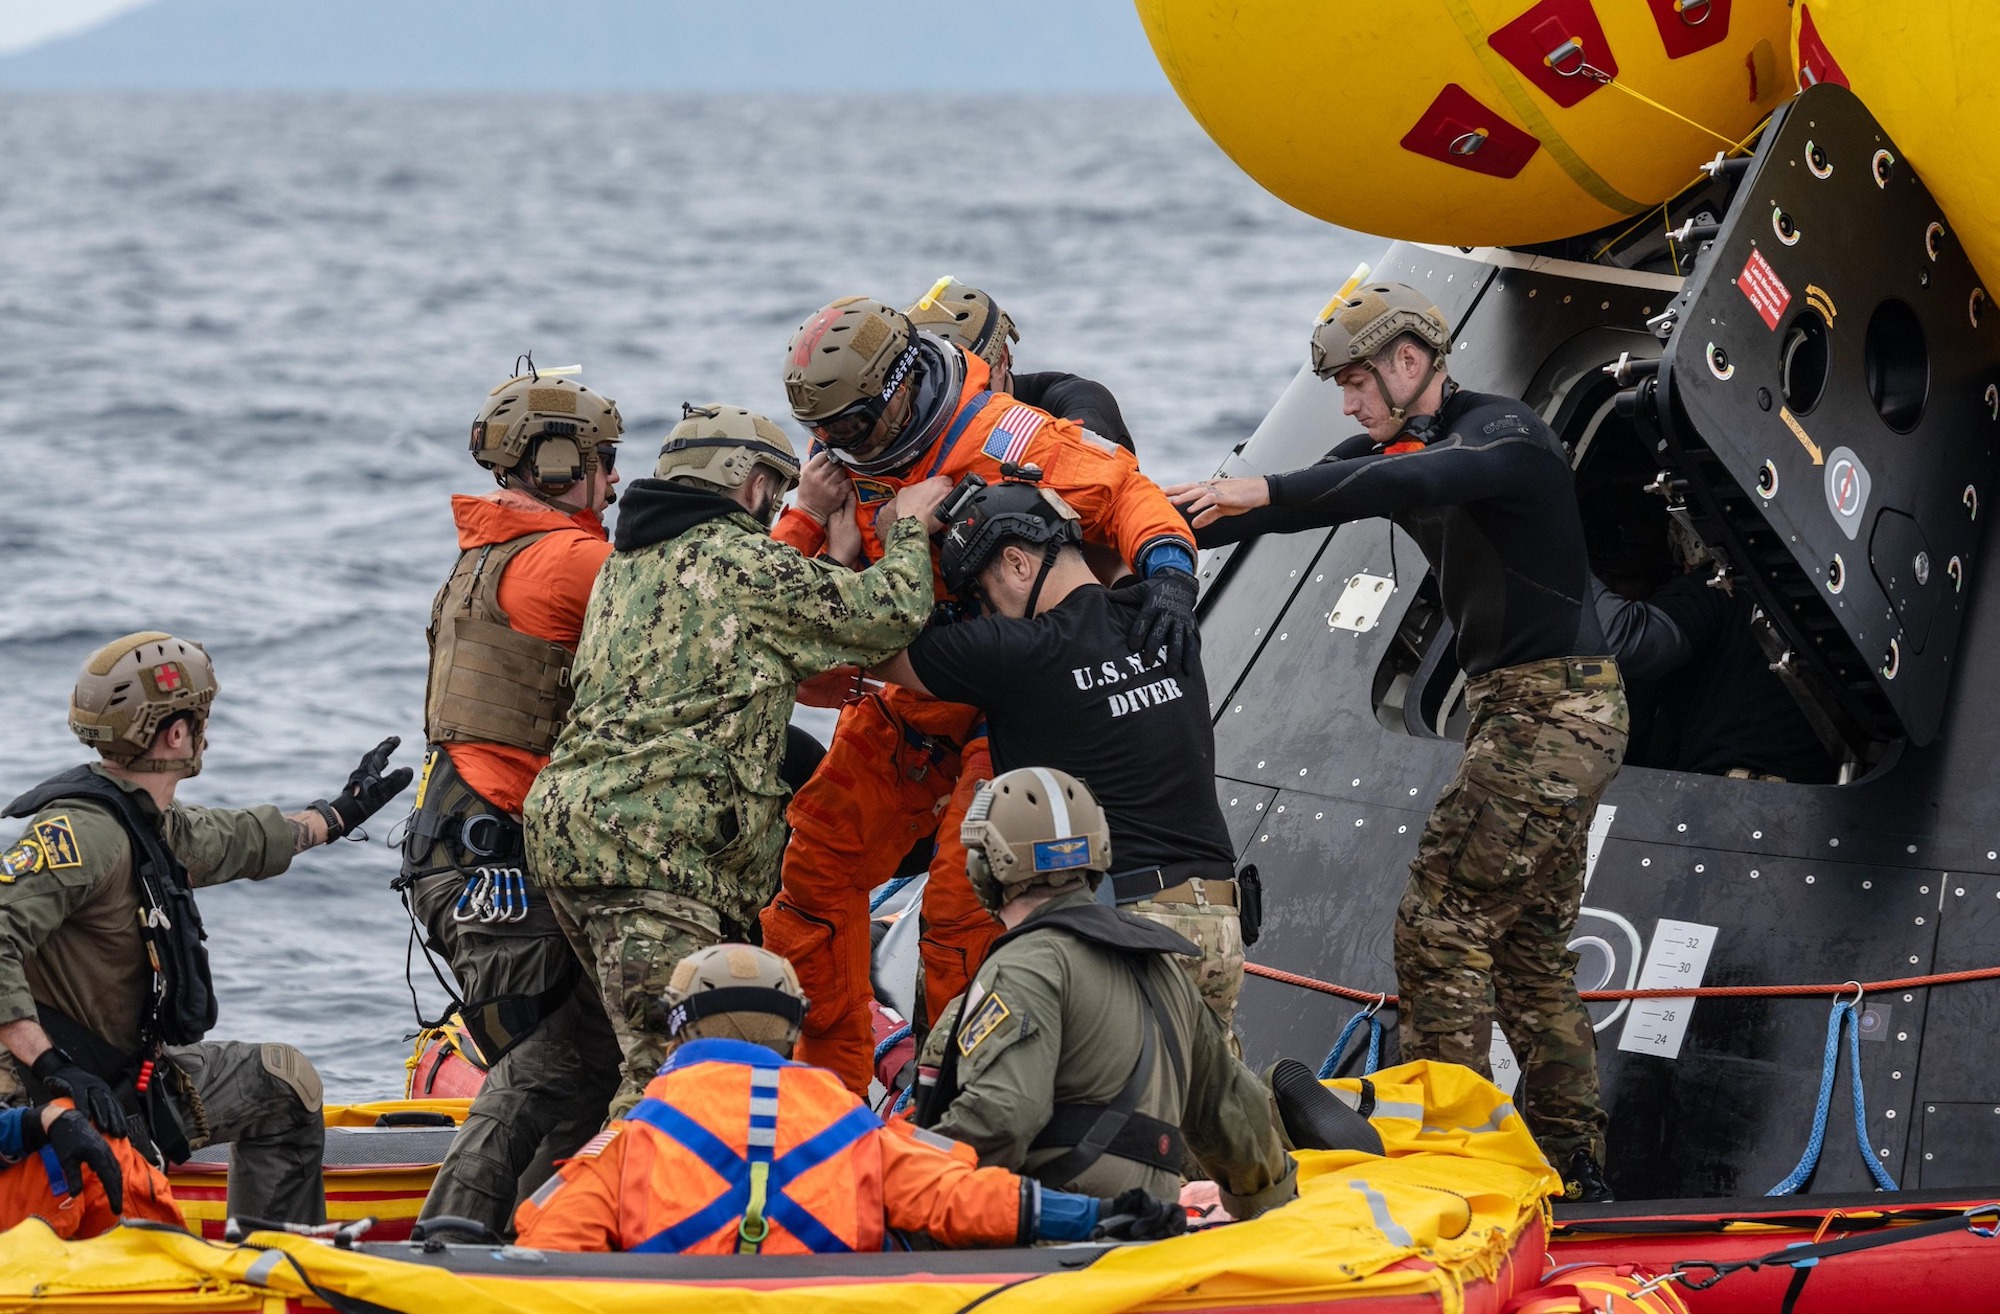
(131, 687)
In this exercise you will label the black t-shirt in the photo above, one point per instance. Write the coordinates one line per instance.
(1069, 690)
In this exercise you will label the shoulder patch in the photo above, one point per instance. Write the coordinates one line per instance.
(596, 1144)
(58, 843)
(24, 859)
(1100, 442)
(983, 1022)
(1505, 422)
(1010, 437)
(870, 491)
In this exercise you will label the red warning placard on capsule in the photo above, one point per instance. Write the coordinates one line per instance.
(1761, 284)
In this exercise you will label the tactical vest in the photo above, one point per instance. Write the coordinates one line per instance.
(1090, 1131)
(183, 1006)
(490, 683)
(821, 1196)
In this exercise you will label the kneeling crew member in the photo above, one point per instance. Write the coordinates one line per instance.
(657, 826)
(1485, 489)
(503, 632)
(56, 1167)
(896, 407)
(105, 992)
(1058, 667)
(738, 1150)
(1079, 1026)
(976, 322)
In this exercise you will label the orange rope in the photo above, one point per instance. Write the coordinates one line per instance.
(1671, 992)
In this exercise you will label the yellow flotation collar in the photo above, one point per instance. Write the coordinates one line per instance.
(1444, 1209)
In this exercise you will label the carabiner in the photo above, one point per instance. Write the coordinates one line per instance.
(1381, 1002)
(1858, 992)
(471, 900)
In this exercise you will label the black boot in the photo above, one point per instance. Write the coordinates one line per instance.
(1583, 1180)
(1314, 1117)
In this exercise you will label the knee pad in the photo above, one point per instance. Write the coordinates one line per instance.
(295, 1071)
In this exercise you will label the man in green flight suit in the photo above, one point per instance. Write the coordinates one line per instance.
(1062, 1030)
(657, 826)
(105, 993)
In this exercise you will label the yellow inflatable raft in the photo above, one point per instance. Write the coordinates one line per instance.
(1451, 1220)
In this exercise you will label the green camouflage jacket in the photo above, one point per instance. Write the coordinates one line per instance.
(666, 775)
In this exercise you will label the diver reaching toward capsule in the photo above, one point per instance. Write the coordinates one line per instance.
(1485, 489)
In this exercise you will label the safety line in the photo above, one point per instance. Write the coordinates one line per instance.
(1669, 992)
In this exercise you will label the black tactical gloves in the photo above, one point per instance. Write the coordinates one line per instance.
(369, 789)
(77, 1146)
(61, 1075)
(1167, 617)
(1137, 1216)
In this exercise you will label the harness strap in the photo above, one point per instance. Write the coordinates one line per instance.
(754, 1195)
(957, 430)
(1111, 1120)
(1143, 1139)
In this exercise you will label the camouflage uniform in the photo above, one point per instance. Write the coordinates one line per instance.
(658, 824)
(1483, 930)
(1218, 932)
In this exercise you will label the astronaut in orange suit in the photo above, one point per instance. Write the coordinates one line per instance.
(893, 406)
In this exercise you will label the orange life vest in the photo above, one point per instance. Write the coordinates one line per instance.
(752, 1154)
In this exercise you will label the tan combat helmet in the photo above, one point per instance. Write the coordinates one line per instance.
(968, 317)
(721, 445)
(735, 992)
(1032, 826)
(844, 364)
(540, 432)
(128, 690)
(1355, 330)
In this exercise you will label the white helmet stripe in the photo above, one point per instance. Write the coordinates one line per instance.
(1057, 803)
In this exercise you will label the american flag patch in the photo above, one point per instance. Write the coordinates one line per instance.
(595, 1145)
(1009, 439)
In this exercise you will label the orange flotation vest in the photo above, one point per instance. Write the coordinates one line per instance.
(757, 1156)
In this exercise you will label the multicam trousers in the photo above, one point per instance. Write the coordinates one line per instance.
(1482, 934)
(1218, 933)
(633, 938)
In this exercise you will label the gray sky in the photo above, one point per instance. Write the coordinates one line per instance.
(25, 22)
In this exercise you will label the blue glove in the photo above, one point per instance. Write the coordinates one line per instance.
(1062, 1216)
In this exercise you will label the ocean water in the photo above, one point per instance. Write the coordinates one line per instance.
(241, 340)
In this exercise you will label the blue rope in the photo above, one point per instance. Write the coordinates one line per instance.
(903, 1101)
(887, 892)
(1842, 1018)
(1339, 1051)
(890, 1041)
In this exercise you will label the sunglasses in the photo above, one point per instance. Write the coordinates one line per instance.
(607, 457)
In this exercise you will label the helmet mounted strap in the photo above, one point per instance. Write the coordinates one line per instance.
(1398, 410)
(735, 999)
(1050, 552)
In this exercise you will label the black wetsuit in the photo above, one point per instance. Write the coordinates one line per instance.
(1491, 503)
(1072, 397)
(1721, 708)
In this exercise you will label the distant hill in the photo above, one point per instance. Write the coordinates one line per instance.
(583, 46)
